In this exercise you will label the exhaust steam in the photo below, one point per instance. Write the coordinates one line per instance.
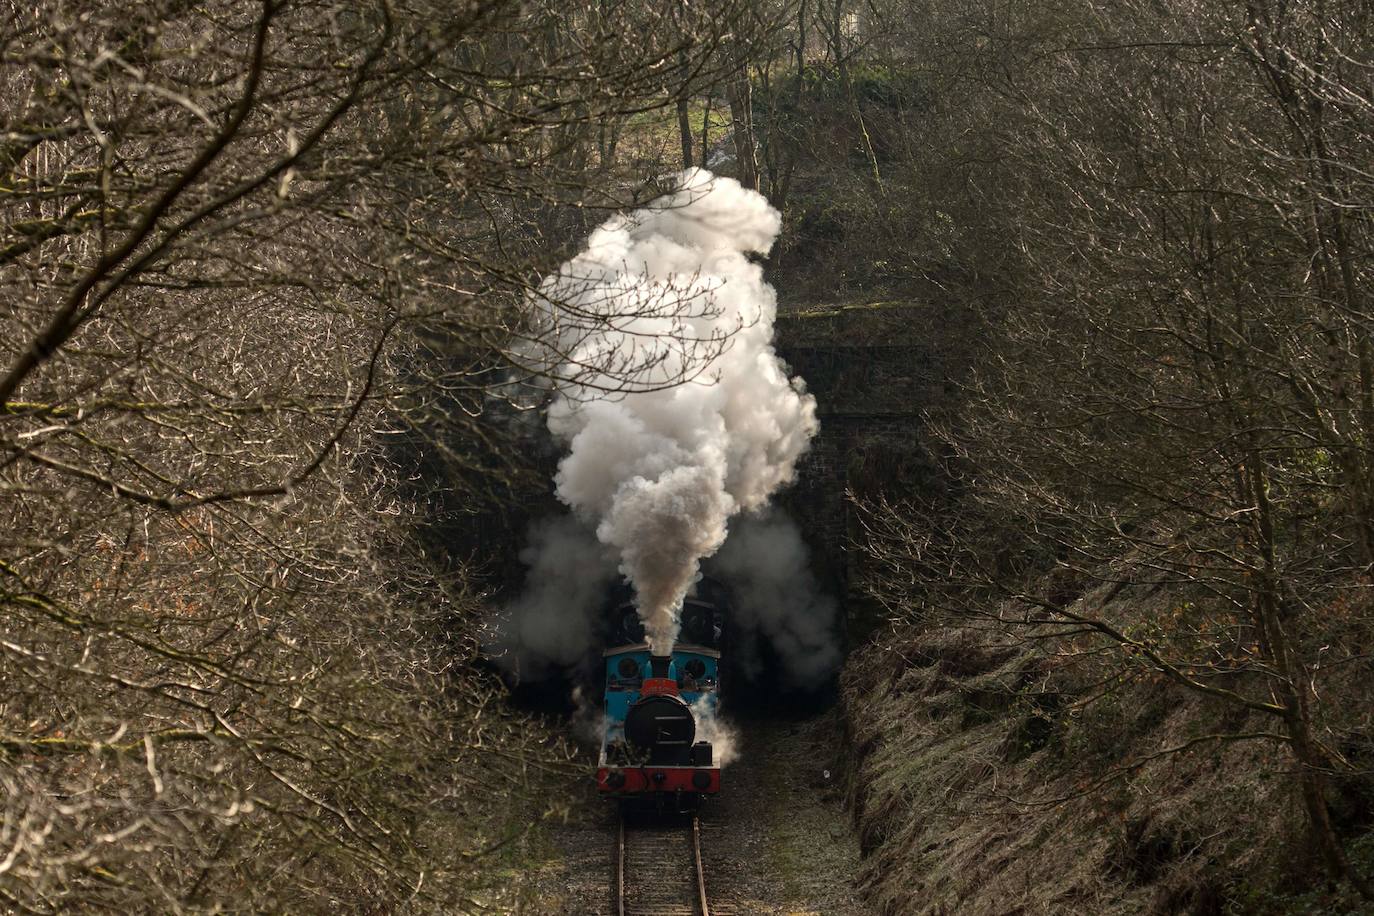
(675, 411)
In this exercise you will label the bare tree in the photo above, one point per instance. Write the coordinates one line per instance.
(1175, 396)
(246, 247)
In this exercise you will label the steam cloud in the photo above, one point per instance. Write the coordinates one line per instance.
(711, 727)
(777, 599)
(552, 623)
(657, 468)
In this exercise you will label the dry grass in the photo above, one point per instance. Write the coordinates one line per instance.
(979, 784)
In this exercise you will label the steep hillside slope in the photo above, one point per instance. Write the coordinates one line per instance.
(995, 775)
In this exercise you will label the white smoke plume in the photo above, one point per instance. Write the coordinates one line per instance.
(711, 727)
(665, 295)
(589, 720)
(552, 624)
(777, 599)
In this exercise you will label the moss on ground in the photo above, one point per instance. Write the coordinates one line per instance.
(808, 844)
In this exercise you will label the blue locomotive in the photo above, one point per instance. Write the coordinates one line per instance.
(652, 748)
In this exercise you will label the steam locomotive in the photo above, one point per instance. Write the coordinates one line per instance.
(651, 749)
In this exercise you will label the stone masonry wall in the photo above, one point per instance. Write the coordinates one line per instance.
(872, 374)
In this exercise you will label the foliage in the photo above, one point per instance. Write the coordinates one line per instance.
(1160, 218)
(262, 262)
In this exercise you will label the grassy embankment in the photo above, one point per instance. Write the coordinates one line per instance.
(996, 776)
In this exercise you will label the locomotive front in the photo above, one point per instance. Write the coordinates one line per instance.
(653, 704)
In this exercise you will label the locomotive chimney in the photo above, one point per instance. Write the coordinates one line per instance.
(658, 665)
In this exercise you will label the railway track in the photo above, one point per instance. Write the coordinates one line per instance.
(658, 870)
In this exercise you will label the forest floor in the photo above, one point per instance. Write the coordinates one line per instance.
(776, 842)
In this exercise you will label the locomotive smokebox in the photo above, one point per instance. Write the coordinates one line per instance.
(658, 665)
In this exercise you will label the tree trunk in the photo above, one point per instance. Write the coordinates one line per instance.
(1312, 769)
(684, 127)
(1294, 686)
(742, 118)
(706, 133)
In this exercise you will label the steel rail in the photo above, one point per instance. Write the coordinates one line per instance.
(620, 866)
(699, 903)
(701, 872)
